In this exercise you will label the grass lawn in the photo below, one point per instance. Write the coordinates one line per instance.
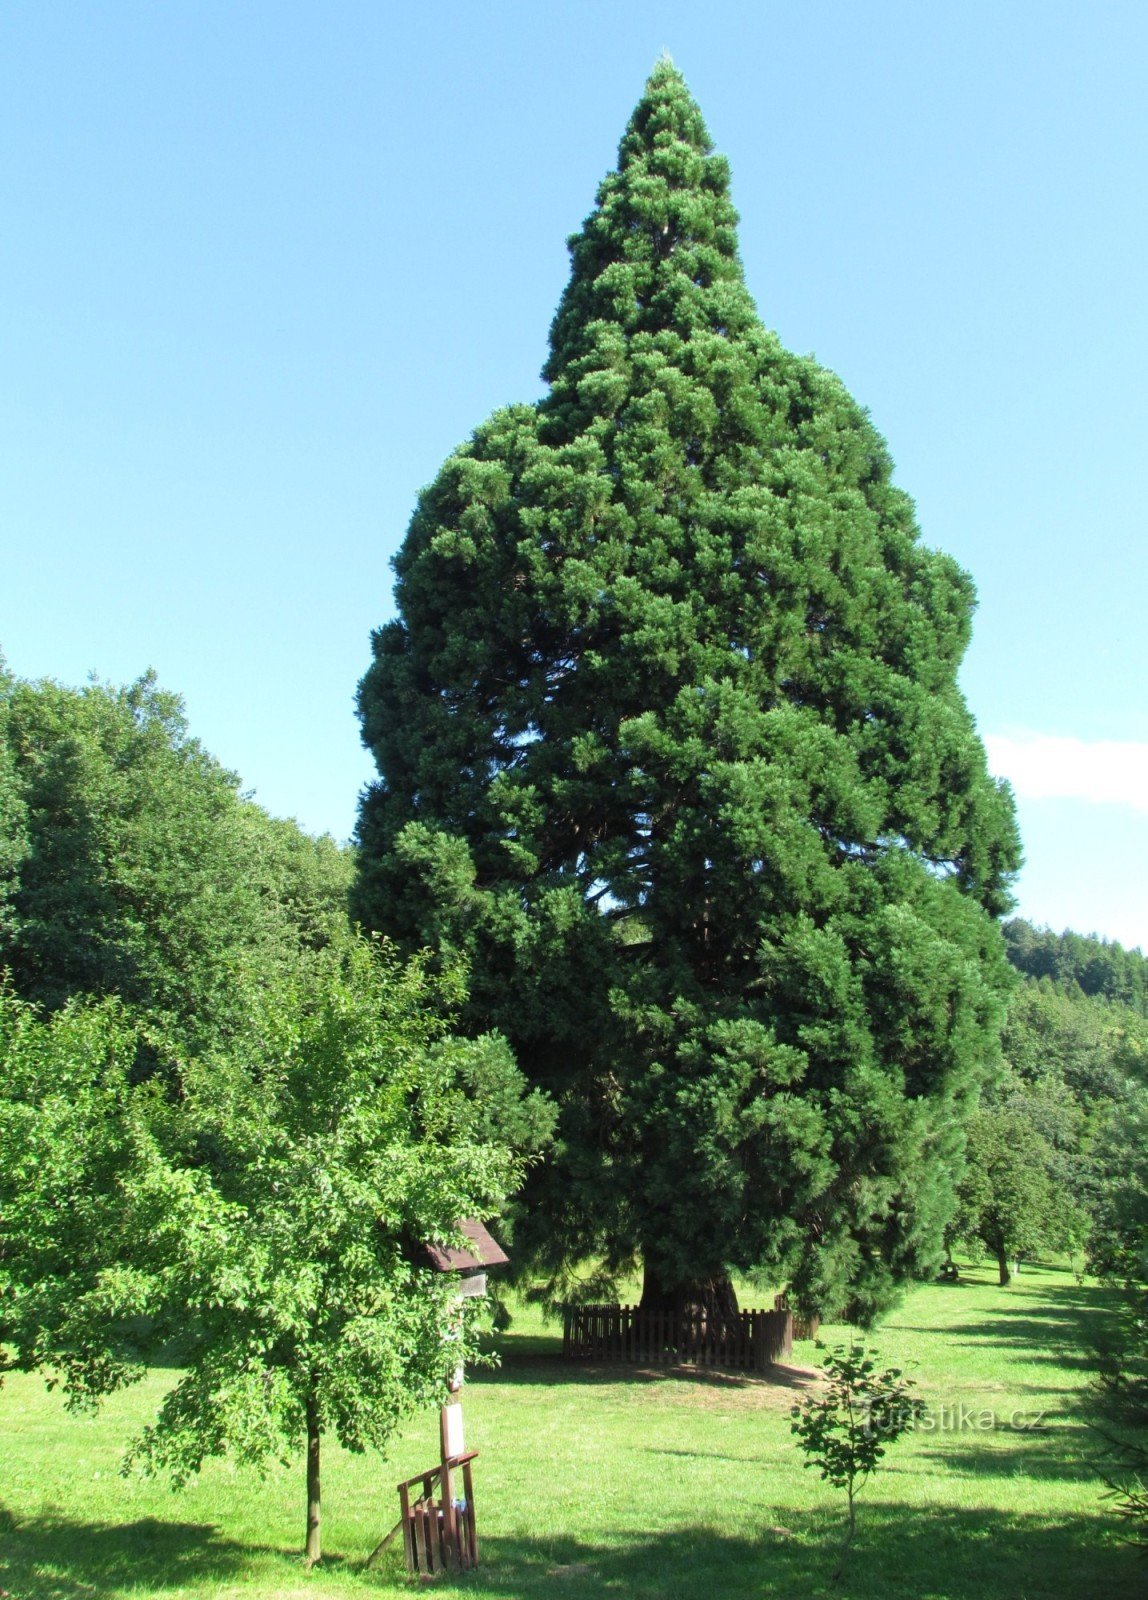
(597, 1479)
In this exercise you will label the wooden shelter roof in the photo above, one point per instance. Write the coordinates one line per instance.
(483, 1251)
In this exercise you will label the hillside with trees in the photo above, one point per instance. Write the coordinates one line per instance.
(1049, 1141)
(1076, 963)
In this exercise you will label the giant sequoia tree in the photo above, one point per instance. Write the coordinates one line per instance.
(671, 745)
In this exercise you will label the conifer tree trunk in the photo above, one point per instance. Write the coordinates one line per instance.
(713, 1298)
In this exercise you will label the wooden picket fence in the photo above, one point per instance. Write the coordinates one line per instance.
(752, 1339)
(803, 1327)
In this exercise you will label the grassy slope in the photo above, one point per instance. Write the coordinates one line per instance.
(606, 1478)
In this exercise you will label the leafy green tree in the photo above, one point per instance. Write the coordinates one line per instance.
(256, 1210)
(301, 882)
(1118, 1248)
(1014, 1200)
(13, 816)
(1076, 1067)
(139, 870)
(845, 1427)
(68, 1129)
(671, 748)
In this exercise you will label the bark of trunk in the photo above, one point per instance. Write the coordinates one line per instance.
(312, 1549)
(713, 1299)
(1004, 1269)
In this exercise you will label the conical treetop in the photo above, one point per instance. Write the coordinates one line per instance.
(671, 745)
(659, 252)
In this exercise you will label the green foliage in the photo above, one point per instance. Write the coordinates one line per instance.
(1010, 1200)
(1130, 1490)
(845, 1428)
(1120, 1393)
(13, 816)
(1118, 1251)
(671, 748)
(1051, 1155)
(135, 868)
(300, 882)
(1076, 963)
(254, 1211)
(74, 1139)
(1090, 1046)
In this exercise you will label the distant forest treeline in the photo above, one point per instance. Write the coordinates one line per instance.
(1074, 963)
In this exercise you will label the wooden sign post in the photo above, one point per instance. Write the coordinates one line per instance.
(457, 1508)
(439, 1534)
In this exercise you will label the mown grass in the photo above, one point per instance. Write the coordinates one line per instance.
(592, 1479)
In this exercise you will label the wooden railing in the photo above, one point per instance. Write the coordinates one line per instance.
(750, 1340)
(439, 1534)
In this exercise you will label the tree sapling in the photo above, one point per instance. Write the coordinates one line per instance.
(846, 1427)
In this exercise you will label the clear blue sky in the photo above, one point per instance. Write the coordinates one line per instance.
(263, 266)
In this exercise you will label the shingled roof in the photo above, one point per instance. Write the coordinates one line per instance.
(483, 1252)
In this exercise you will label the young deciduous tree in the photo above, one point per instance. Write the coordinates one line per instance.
(671, 745)
(845, 1428)
(256, 1210)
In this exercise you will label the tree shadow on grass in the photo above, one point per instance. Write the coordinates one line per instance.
(901, 1551)
(62, 1558)
(549, 1366)
(1036, 1462)
(1064, 1317)
(1064, 1334)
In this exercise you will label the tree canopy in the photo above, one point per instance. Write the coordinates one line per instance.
(1057, 1127)
(131, 865)
(671, 746)
(1010, 1200)
(254, 1213)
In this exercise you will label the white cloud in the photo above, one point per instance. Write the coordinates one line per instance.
(1041, 767)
